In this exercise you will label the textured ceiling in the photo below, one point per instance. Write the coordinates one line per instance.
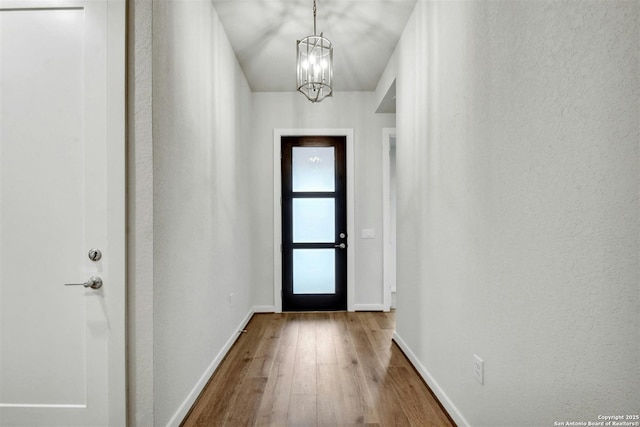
(263, 34)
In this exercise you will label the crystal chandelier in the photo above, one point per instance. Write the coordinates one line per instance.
(314, 65)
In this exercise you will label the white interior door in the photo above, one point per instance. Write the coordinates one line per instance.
(62, 359)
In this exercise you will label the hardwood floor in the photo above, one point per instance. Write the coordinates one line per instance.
(317, 369)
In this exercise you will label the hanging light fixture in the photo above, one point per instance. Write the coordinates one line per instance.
(314, 65)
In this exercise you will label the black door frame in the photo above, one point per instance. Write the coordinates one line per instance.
(315, 302)
(278, 133)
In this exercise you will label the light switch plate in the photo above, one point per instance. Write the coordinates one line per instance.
(368, 233)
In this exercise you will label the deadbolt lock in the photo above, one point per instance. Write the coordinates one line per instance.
(95, 254)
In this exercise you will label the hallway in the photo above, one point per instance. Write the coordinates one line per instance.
(317, 369)
(517, 213)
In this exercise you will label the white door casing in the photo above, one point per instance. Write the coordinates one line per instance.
(62, 190)
(277, 209)
(388, 233)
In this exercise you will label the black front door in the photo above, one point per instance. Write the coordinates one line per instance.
(314, 223)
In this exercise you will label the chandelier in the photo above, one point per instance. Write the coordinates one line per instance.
(314, 65)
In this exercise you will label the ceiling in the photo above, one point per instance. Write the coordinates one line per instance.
(263, 34)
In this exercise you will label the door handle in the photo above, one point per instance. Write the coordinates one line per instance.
(341, 246)
(94, 282)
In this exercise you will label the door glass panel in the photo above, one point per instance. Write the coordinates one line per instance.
(314, 220)
(313, 169)
(314, 271)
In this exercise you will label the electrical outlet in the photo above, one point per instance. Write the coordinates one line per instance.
(478, 369)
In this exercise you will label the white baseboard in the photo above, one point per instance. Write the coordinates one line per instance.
(454, 413)
(186, 405)
(370, 307)
(264, 309)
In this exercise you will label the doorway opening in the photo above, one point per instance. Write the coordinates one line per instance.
(389, 215)
(279, 244)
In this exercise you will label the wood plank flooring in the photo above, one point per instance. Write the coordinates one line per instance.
(316, 369)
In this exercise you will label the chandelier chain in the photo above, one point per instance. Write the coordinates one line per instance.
(314, 17)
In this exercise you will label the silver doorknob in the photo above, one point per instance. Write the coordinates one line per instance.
(94, 282)
(341, 246)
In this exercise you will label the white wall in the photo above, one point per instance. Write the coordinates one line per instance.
(201, 201)
(140, 215)
(345, 110)
(518, 213)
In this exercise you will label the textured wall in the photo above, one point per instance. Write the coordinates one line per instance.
(202, 243)
(518, 213)
(291, 110)
(140, 216)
